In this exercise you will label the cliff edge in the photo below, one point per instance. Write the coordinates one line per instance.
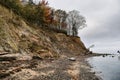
(19, 37)
(30, 52)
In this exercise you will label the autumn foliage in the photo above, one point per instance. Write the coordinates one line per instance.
(45, 16)
(39, 14)
(45, 12)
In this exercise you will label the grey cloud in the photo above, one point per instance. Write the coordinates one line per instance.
(103, 20)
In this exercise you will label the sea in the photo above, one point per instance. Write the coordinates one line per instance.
(106, 67)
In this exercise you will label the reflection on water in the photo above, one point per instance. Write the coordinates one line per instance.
(107, 67)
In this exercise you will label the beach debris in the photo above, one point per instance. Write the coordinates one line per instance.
(37, 57)
(72, 59)
(7, 58)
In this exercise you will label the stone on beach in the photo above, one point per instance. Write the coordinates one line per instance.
(72, 59)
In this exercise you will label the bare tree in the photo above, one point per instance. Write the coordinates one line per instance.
(75, 21)
(60, 17)
(31, 2)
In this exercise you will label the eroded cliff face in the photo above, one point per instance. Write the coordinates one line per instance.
(16, 36)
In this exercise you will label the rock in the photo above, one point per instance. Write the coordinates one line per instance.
(112, 56)
(72, 59)
(103, 55)
(118, 51)
(37, 57)
(4, 75)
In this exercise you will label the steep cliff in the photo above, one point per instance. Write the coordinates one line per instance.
(18, 36)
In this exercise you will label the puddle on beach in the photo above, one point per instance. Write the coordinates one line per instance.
(106, 67)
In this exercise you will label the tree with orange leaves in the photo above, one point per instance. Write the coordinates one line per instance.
(44, 13)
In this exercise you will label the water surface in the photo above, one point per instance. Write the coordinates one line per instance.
(107, 67)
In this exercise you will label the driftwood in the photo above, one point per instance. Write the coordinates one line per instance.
(4, 53)
(7, 58)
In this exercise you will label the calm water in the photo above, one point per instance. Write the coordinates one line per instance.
(108, 67)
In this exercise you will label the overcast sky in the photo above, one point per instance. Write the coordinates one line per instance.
(103, 22)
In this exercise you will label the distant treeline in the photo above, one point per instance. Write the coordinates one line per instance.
(43, 15)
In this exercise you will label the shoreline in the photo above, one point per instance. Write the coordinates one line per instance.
(87, 73)
(48, 69)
